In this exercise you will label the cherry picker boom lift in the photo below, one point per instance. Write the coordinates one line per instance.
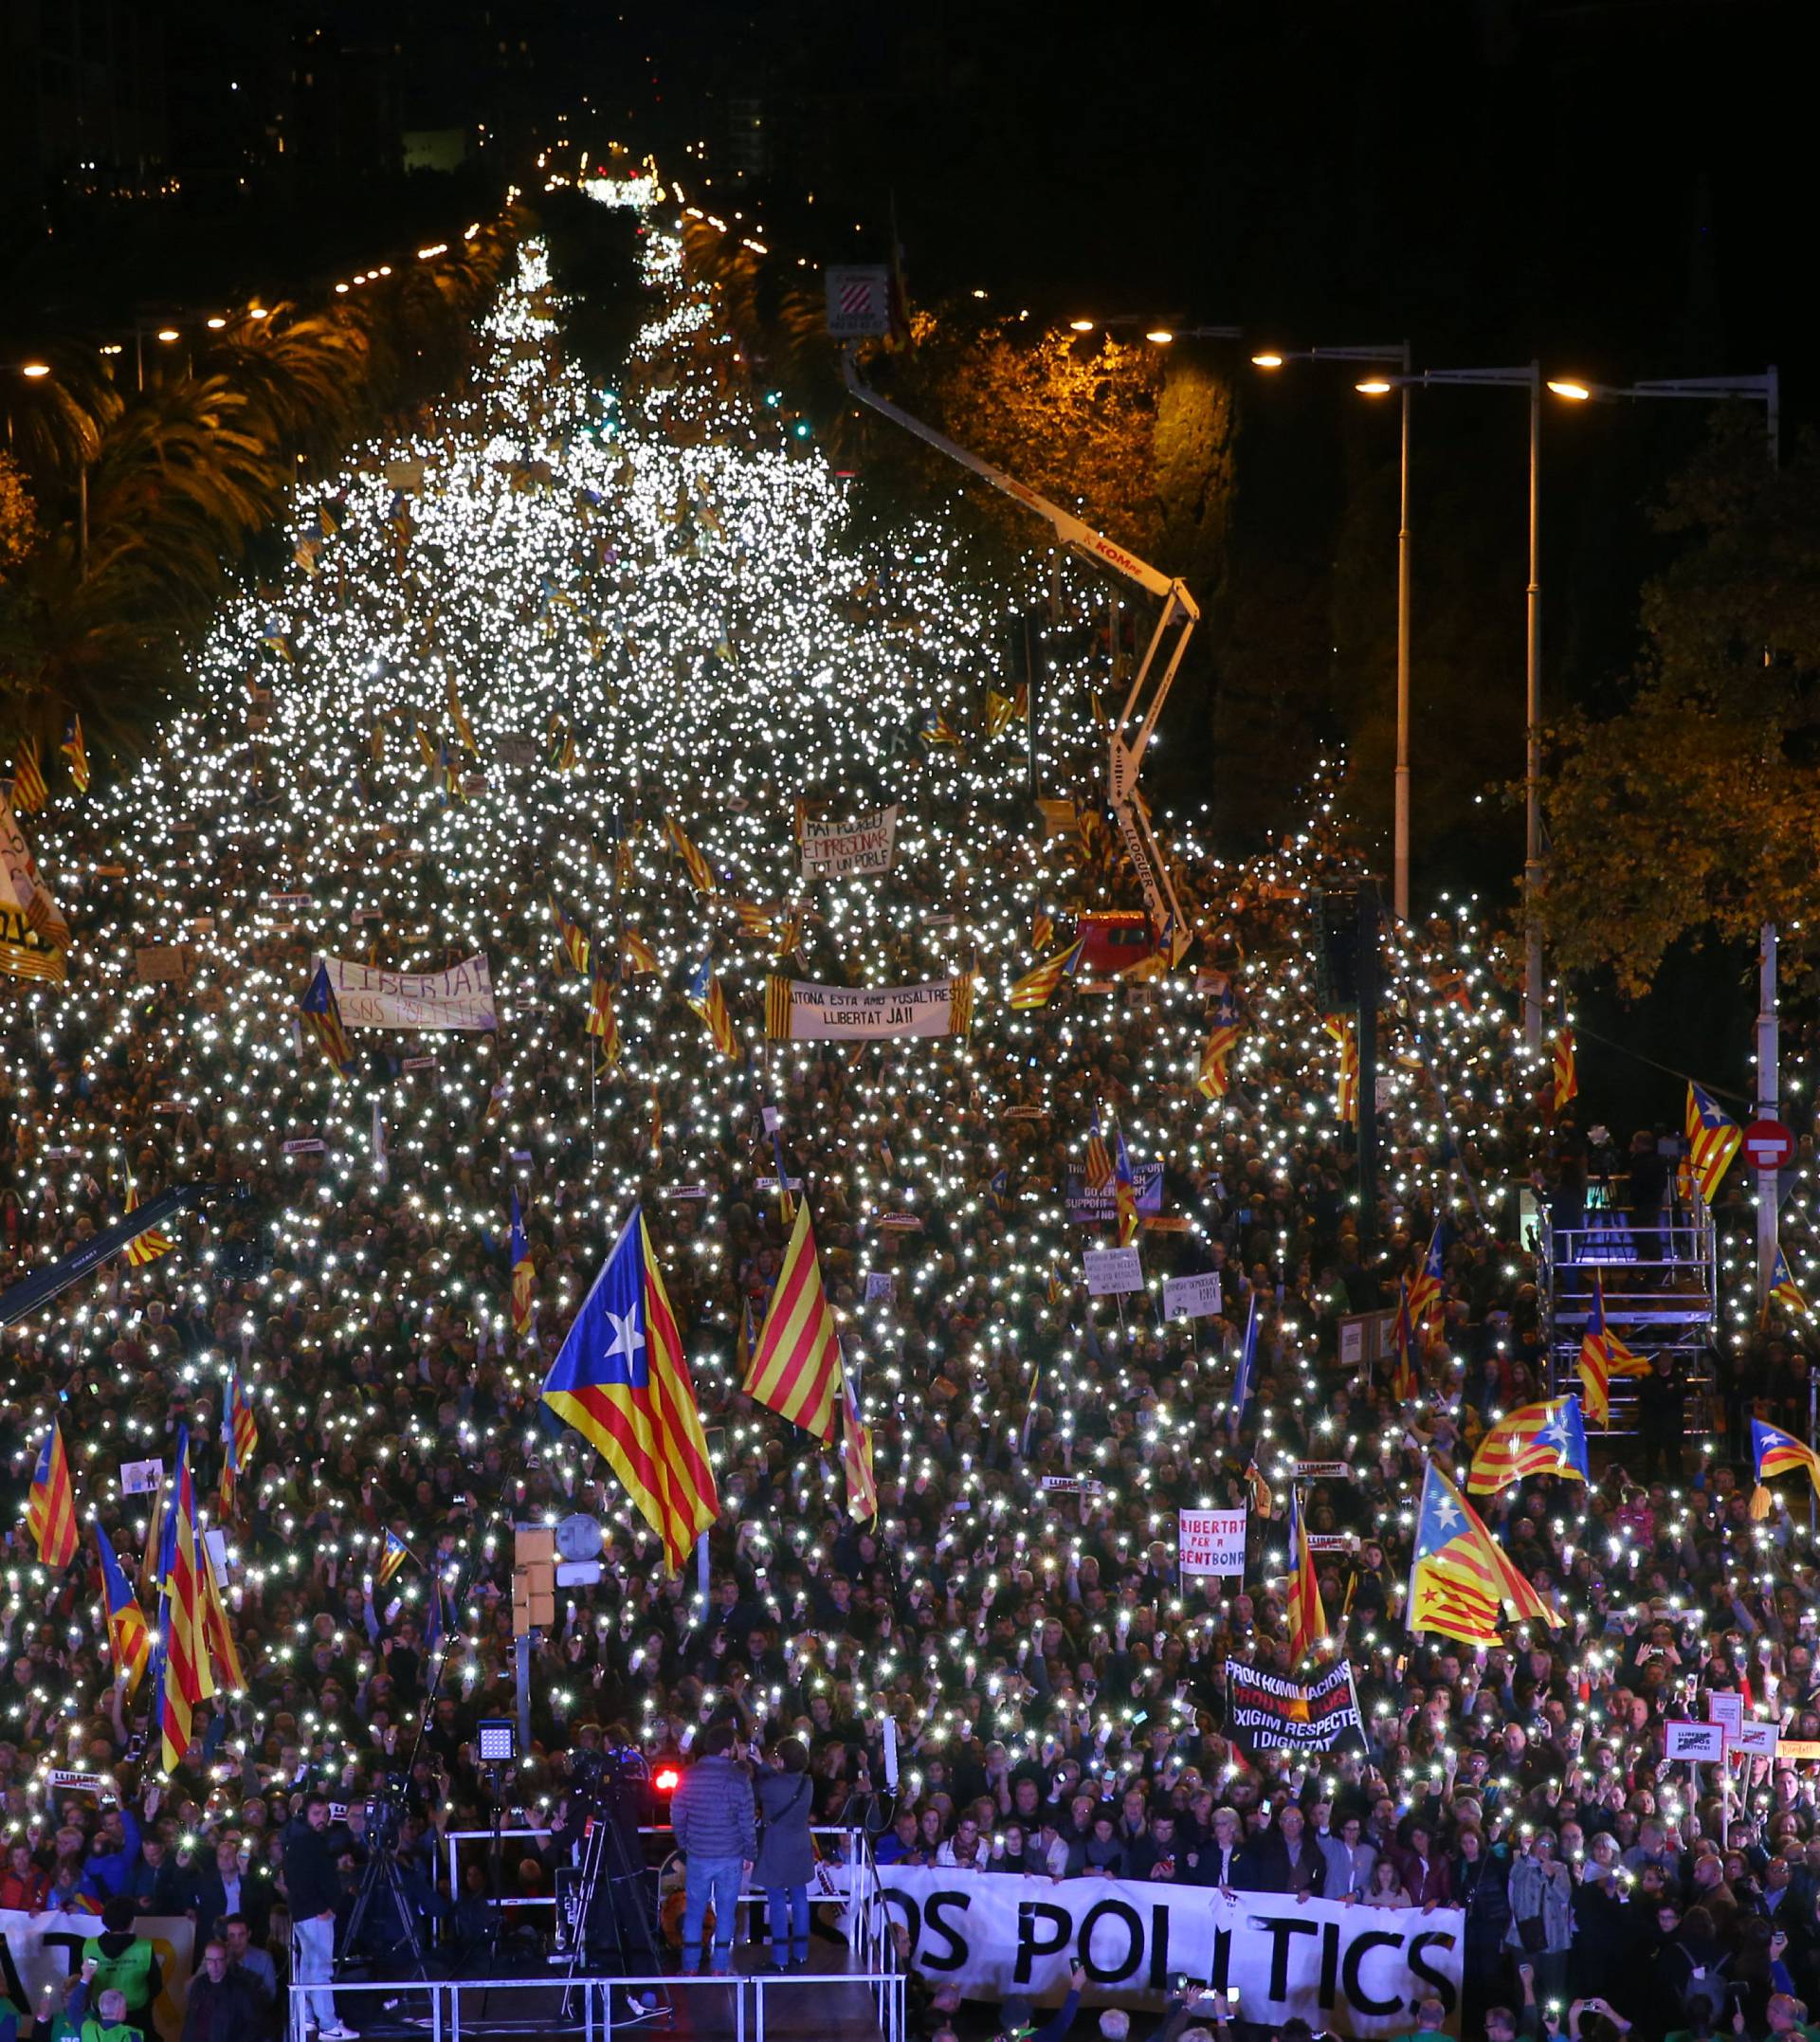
(1143, 704)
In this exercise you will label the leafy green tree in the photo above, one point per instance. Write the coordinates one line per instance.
(1693, 812)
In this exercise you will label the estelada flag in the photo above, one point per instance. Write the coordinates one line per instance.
(51, 1504)
(796, 1368)
(621, 1381)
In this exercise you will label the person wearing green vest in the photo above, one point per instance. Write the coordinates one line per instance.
(108, 2023)
(125, 1963)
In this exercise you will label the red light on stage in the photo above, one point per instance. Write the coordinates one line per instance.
(666, 1779)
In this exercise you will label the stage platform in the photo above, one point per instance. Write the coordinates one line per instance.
(834, 1998)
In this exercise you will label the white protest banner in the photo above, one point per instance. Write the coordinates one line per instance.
(141, 1478)
(1756, 1740)
(461, 997)
(866, 844)
(61, 1780)
(1212, 1542)
(1702, 1744)
(1348, 1971)
(1725, 1706)
(880, 1284)
(1195, 1297)
(1112, 1272)
(40, 1951)
(798, 1011)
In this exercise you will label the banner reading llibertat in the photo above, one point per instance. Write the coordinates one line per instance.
(459, 998)
(798, 1011)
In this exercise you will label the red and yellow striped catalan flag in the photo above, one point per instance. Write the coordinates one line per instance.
(708, 1000)
(1462, 1580)
(129, 1636)
(856, 1459)
(51, 1504)
(700, 872)
(1307, 1619)
(30, 793)
(1567, 1069)
(796, 1368)
(1603, 1355)
(149, 1246)
(1037, 988)
(779, 999)
(1713, 1137)
(620, 1379)
(183, 1628)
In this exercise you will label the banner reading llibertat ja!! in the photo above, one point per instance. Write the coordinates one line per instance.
(798, 1011)
(459, 998)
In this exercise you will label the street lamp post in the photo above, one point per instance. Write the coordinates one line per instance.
(1529, 378)
(1399, 356)
(1765, 390)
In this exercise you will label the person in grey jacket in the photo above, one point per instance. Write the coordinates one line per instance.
(785, 1850)
(715, 1823)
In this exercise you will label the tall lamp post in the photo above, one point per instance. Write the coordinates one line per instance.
(1765, 390)
(1529, 378)
(1398, 355)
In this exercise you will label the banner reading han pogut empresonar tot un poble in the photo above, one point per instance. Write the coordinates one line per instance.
(1351, 1971)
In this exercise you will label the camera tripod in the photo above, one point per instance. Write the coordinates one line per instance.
(603, 1856)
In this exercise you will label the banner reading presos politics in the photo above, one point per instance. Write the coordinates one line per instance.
(1353, 1971)
(40, 1950)
(866, 844)
(461, 997)
(797, 1011)
(1264, 1711)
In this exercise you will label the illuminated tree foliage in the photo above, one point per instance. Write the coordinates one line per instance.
(1693, 812)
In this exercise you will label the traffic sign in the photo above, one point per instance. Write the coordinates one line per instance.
(859, 300)
(1769, 1144)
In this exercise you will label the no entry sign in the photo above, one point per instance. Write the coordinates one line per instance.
(1769, 1144)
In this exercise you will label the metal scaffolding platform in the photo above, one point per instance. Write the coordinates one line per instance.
(1659, 1276)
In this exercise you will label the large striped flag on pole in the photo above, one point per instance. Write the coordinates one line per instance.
(1124, 1191)
(147, 1246)
(1462, 1580)
(856, 1459)
(1783, 1288)
(1099, 1163)
(603, 1024)
(1307, 1618)
(1713, 1137)
(1567, 1071)
(705, 998)
(796, 1368)
(700, 872)
(76, 753)
(1406, 1379)
(524, 1273)
(1776, 1452)
(1216, 1055)
(217, 1637)
(129, 1636)
(323, 1010)
(246, 1426)
(1540, 1439)
(29, 793)
(1603, 1355)
(183, 1644)
(573, 943)
(1425, 1285)
(51, 1504)
(1037, 988)
(621, 1380)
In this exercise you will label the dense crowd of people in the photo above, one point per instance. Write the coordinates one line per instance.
(1057, 1686)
